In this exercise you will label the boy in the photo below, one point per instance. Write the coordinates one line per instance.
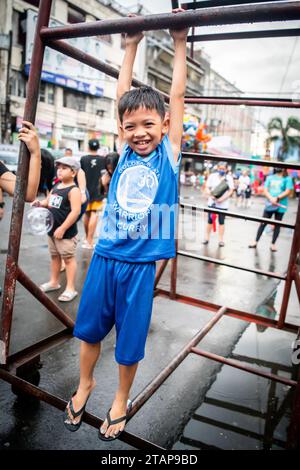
(64, 203)
(119, 285)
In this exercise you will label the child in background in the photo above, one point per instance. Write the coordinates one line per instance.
(64, 202)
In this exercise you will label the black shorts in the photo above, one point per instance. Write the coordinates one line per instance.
(220, 216)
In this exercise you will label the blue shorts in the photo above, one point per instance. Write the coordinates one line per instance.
(121, 294)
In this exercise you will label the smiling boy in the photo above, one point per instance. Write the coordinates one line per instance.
(119, 285)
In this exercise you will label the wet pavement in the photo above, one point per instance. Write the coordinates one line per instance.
(182, 411)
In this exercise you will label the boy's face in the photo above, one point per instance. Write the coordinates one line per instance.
(64, 172)
(143, 130)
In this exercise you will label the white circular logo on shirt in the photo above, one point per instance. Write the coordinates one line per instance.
(137, 188)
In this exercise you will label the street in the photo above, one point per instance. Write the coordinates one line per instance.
(164, 417)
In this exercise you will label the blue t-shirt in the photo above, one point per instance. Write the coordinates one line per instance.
(139, 222)
(276, 185)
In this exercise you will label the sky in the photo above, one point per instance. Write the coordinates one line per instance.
(269, 67)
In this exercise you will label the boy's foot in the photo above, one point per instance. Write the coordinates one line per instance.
(111, 428)
(221, 244)
(68, 295)
(205, 242)
(75, 405)
(49, 287)
(87, 245)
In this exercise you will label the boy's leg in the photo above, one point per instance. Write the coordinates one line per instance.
(86, 219)
(92, 227)
(89, 354)
(55, 270)
(119, 406)
(71, 267)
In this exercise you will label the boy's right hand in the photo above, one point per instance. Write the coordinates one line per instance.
(36, 203)
(134, 38)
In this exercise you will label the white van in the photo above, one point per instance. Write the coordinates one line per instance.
(9, 156)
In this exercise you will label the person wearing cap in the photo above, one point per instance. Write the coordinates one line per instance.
(64, 203)
(92, 165)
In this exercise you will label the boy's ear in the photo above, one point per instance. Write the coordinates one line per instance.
(166, 123)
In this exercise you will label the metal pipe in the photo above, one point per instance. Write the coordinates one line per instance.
(160, 272)
(244, 101)
(21, 184)
(235, 266)
(247, 161)
(237, 215)
(149, 390)
(216, 3)
(266, 33)
(61, 404)
(204, 17)
(231, 312)
(239, 365)
(44, 299)
(290, 272)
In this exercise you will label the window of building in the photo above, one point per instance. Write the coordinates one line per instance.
(50, 95)
(75, 15)
(18, 32)
(34, 3)
(17, 85)
(74, 100)
(42, 94)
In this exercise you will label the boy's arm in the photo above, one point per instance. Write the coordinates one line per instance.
(125, 75)
(178, 88)
(75, 201)
(29, 136)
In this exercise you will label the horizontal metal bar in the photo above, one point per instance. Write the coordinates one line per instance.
(244, 101)
(61, 404)
(236, 215)
(203, 17)
(246, 161)
(151, 388)
(234, 266)
(231, 312)
(266, 33)
(44, 299)
(241, 366)
(216, 3)
(21, 357)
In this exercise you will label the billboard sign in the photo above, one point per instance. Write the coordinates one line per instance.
(61, 69)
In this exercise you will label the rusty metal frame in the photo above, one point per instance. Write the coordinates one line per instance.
(11, 365)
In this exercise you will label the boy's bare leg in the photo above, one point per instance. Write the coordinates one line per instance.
(89, 354)
(92, 227)
(221, 232)
(55, 270)
(208, 231)
(119, 406)
(86, 220)
(71, 267)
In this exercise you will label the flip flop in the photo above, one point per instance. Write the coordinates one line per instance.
(46, 287)
(67, 421)
(115, 421)
(67, 296)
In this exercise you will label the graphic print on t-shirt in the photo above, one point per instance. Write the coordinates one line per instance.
(55, 201)
(137, 188)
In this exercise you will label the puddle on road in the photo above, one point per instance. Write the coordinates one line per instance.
(243, 411)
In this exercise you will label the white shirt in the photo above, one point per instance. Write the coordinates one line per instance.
(244, 182)
(212, 181)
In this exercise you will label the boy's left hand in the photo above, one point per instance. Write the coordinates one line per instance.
(179, 34)
(29, 136)
(59, 233)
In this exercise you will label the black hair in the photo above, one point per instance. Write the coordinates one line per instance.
(277, 170)
(145, 97)
(112, 159)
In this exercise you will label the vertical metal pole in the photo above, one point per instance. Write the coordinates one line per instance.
(291, 267)
(21, 183)
(174, 260)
